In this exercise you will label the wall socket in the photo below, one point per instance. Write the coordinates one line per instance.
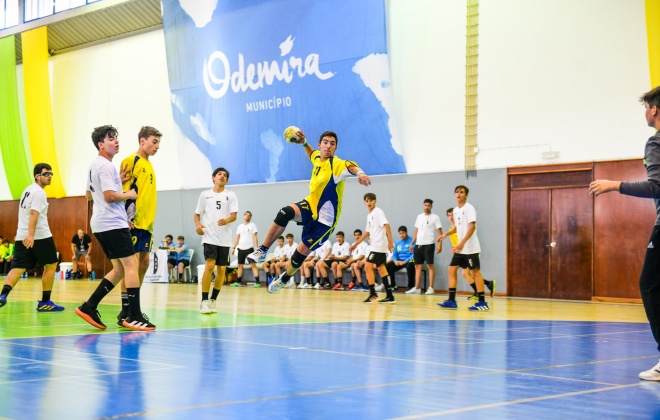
(550, 155)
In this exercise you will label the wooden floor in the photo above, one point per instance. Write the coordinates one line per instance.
(323, 354)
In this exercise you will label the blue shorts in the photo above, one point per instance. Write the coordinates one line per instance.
(141, 240)
(314, 233)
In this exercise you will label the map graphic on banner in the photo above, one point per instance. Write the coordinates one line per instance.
(241, 71)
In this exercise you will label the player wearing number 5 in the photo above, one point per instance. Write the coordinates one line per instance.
(319, 211)
(216, 209)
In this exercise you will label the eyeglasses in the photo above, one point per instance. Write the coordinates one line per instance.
(46, 174)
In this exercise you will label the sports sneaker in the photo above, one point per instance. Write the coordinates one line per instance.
(491, 286)
(301, 285)
(350, 286)
(380, 288)
(317, 286)
(3, 300)
(430, 291)
(236, 284)
(652, 374)
(257, 285)
(327, 286)
(448, 304)
(337, 286)
(48, 306)
(212, 306)
(473, 297)
(414, 291)
(205, 307)
(479, 306)
(276, 285)
(372, 298)
(121, 317)
(388, 300)
(90, 315)
(257, 256)
(365, 288)
(291, 284)
(140, 323)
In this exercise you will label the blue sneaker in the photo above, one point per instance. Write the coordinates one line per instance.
(276, 285)
(257, 256)
(3, 300)
(48, 306)
(479, 306)
(448, 304)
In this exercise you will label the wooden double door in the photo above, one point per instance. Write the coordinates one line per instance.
(551, 232)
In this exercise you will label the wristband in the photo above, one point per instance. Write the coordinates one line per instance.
(359, 172)
(305, 144)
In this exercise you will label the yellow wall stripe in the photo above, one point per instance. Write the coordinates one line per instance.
(653, 35)
(37, 104)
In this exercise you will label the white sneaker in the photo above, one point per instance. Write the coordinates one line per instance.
(652, 374)
(430, 291)
(291, 284)
(317, 286)
(301, 285)
(380, 288)
(257, 256)
(275, 285)
(212, 305)
(307, 286)
(205, 307)
(414, 291)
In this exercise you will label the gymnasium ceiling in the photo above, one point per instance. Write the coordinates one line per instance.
(121, 20)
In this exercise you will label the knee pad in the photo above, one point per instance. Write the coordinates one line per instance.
(284, 216)
(297, 259)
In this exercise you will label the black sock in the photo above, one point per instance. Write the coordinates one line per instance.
(452, 294)
(134, 302)
(326, 280)
(389, 282)
(45, 296)
(214, 293)
(205, 295)
(180, 276)
(238, 280)
(101, 291)
(6, 289)
(264, 248)
(488, 283)
(474, 287)
(285, 277)
(372, 289)
(481, 296)
(124, 304)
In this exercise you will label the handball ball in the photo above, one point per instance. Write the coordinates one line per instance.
(290, 134)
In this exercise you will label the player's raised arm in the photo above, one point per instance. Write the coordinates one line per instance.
(362, 177)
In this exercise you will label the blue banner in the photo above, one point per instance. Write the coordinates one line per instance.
(241, 71)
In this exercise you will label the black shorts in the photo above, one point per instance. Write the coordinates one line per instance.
(470, 261)
(377, 258)
(141, 240)
(424, 253)
(43, 252)
(218, 253)
(243, 253)
(171, 261)
(116, 243)
(328, 262)
(185, 263)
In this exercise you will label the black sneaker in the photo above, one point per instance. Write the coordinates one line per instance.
(90, 315)
(121, 317)
(140, 323)
(388, 299)
(372, 298)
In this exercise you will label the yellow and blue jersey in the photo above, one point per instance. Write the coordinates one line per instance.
(326, 187)
(141, 212)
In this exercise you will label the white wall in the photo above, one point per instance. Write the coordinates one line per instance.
(561, 75)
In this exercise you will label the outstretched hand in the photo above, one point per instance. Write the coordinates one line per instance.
(364, 179)
(602, 186)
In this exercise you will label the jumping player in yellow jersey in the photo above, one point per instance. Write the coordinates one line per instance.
(138, 174)
(319, 211)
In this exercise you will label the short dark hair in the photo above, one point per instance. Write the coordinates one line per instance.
(467, 190)
(403, 229)
(652, 97)
(220, 169)
(450, 210)
(147, 131)
(180, 237)
(99, 133)
(340, 233)
(281, 237)
(329, 134)
(428, 200)
(38, 167)
(289, 235)
(370, 196)
(248, 211)
(170, 236)
(358, 231)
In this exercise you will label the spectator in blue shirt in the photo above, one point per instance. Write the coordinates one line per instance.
(182, 256)
(402, 257)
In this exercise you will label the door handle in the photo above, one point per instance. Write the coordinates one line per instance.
(553, 244)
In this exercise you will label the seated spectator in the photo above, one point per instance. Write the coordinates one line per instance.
(351, 262)
(288, 250)
(81, 246)
(339, 254)
(322, 267)
(270, 266)
(319, 254)
(6, 255)
(167, 244)
(182, 257)
(403, 257)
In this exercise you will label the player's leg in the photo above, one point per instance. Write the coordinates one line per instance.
(24, 258)
(282, 219)
(475, 268)
(46, 255)
(388, 281)
(452, 271)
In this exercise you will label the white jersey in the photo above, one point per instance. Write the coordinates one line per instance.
(376, 222)
(340, 250)
(288, 250)
(463, 216)
(321, 251)
(212, 207)
(246, 240)
(426, 226)
(103, 176)
(359, 250)
(278, 251)
(33, 198)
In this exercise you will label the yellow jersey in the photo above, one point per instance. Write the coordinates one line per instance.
(326, 187)
(141, 212)
(453, 238)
